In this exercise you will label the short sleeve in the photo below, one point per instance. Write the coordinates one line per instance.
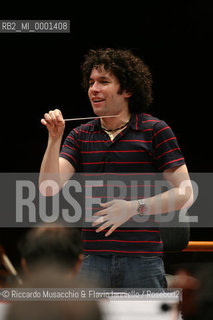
(71, 150)
(166, 151)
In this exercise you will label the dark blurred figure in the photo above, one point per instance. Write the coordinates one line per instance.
(3, 278)
(54, 310)
(197, 293)
(51, 245)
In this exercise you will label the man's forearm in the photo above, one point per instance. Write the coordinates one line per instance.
(171, 200)
(116, 212)
(50, 169)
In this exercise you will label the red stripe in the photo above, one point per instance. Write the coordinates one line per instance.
(146, 114)
(171, 162)
(103, 151)
(88, 131)
(150, 121)
(136, 125)
(65, 145)
(173, 138)
(147, 130)
(76, 131)
(167, 152)
(73, 140)
(91, 141)
(161, 130)
(87, 124)
(118, 162)
(122, 241)
(123, 251)
(136, 230)
(135, 141)
(69, 156)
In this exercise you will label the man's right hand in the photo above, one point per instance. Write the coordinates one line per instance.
(55, 123)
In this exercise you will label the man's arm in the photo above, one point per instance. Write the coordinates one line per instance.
(179, 196)
(117, 212)
(54, 171)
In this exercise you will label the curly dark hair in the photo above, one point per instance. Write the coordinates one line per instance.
(132, 73)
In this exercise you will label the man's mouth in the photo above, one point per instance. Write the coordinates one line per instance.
(97, 101)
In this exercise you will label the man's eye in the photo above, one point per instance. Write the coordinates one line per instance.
(102, 82)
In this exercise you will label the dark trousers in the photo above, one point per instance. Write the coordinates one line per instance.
(124, 271)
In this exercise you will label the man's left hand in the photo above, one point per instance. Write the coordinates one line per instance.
(114, 214)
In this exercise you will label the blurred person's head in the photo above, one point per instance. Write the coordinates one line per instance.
(51, 245)
(204, 296)
(70, 309)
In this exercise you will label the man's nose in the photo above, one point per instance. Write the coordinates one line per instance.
(95, 87)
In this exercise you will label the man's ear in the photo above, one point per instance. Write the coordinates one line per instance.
(127, 93)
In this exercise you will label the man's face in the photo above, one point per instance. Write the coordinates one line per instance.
(103, 93)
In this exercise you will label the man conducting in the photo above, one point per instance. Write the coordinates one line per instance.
(119, 84)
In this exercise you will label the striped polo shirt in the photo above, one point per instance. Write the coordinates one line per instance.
(144, 148)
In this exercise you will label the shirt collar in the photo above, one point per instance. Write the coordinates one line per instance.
(135, 123)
